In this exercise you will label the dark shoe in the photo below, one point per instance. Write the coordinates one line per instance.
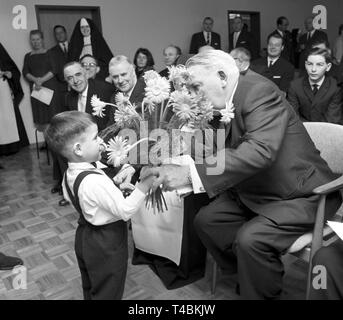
(238, 289)
(56, 189)
(63, 202)
(43, 147)
(8, 263)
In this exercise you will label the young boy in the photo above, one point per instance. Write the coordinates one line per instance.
(101, 237)
(316, 96)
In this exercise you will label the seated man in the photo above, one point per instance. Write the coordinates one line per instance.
(83, 89)
(274, 66)
(242, 58)
(90, 64)
(316, 96)
(262, 183)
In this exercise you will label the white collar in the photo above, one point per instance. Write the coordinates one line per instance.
(85, 165)
(85, 92)
(273, 59)
(280, 32)
(319, 84)
(228, 104)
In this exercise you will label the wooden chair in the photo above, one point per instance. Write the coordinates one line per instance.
(328, 139)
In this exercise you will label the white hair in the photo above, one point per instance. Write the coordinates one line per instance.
(119, 59)
(214, 60)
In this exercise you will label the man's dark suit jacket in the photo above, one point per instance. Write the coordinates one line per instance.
(281, 72)
(269, 158)
(59, 59)
(198, 41)
(245, 40)
(325, 106)
(288, 50)
(103, 90)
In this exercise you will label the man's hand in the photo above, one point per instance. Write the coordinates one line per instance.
(124, 176)
(171, 176)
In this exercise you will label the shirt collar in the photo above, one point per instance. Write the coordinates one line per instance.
(85, 92)
(319, 84)
(84, 165)
(229, 103)
(272, 59)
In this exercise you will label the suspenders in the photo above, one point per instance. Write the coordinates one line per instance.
(75, 198)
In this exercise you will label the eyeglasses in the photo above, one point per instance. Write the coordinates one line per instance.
(91, 64)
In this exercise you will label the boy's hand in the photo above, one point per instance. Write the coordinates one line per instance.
(126, 188)
(124, 176)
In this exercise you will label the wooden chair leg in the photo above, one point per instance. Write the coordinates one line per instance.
(317, 241)
(37, 148)
(47, 154)
(214, 277)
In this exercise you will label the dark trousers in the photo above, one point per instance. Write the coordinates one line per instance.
(331, 258)
(59, 166)
(238, 238)
(102, 255)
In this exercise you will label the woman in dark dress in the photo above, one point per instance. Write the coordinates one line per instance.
(12, 130)
(87, 39)
(171, 55)
(143, 61)
(38, 70)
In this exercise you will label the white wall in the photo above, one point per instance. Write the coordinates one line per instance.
(129, 24)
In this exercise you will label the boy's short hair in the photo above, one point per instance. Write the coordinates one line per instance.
(65, 127)
(326, 53)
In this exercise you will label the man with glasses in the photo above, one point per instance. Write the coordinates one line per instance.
(90, 64)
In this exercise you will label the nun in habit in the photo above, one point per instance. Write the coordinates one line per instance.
(12, 130)
(87, 39)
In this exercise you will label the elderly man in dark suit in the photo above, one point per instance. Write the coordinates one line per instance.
(282, 24)
(242, 38)
(83, 89)
(316, 96)
(205, 38)
(274, 66)
(264, 177)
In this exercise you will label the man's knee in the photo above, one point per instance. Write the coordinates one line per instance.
(202, 219)
(246, 240)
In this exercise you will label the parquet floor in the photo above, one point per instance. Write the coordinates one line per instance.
(35, 228)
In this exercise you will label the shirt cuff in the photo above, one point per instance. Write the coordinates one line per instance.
(198, 187)
(137, 196)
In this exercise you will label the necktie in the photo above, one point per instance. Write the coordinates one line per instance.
(64, 48)
(94, 164)
(308, 36)
(235, 35)
(207, 37)
(82, 102)
(270, 63)
(314, 89)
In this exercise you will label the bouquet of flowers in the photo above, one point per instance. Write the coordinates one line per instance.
(162, 138)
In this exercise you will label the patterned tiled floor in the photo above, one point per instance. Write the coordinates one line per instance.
(35, 228)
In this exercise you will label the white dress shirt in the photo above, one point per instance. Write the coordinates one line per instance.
(64, 45)
(100, 200)
(319, 84)
(272, 60)
(235, 38)
(81, 104)
(209, 37)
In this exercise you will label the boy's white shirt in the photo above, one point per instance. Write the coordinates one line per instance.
(100, 200)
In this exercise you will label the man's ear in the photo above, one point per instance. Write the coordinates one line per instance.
(328, 67)
(77, 149)
(97, 69)
(223, 77)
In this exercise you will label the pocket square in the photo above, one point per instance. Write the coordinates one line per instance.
(276, 77)
(242, 42)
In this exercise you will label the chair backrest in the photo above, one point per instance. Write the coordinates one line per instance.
(328, 139)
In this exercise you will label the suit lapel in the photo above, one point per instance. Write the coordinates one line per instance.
(89, 96)
(321, 92)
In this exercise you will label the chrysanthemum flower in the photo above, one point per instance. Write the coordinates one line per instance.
(184, 106)
(98, 106)
(121, 99)
(157, 90)
(227, 113)
(151, 75)
(117, 151)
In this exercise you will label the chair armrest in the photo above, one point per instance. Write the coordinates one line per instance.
(329, 187)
